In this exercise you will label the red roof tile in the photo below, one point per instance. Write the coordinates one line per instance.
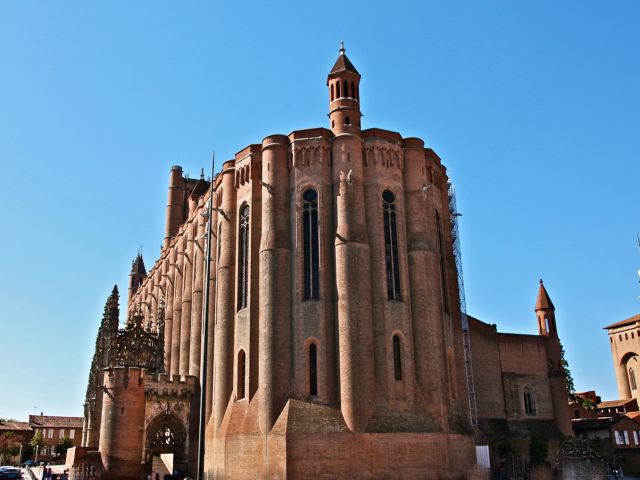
(53, 421)
(628, 321)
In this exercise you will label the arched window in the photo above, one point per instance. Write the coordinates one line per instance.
(391, 245)
(242, 368)
(397, 358)
(346, 88)
(243, 256)
(632, 379)
(443, 273)
(529, 401)
(353, 90)
(347, 121)
(338, 89)
(313, 370)
(311, 248)
(332, 92)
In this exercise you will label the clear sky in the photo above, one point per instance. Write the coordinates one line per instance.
(534, 108)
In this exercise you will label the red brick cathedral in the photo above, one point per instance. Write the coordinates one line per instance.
(334, 344)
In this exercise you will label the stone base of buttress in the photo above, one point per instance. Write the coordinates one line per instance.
(311, 441)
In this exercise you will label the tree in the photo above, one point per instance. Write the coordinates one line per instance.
(567, 372)
(64, 444)
(9, 445)
(37, 440)
(538, 449)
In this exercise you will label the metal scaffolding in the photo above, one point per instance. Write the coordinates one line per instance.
(466, 341)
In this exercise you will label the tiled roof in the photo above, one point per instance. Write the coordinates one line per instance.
(53, 421)
(633, 416)
(628, 321)
(11, 425)
(343, 64)
(616, 403)
(543, 302)
(580, 424)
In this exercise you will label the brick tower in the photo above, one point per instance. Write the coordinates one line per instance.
(546, 314)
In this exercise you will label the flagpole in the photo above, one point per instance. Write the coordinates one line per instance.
(205, 329)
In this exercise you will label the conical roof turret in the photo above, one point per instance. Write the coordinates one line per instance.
(543, 301)
(137, 266)
(343, 64)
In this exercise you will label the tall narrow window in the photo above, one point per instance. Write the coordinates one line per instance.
(332, 92)
(346, 88)
(240, 390)
(311, 258)
(529, 401)
(338, 89)
(391, 245)
(313, 370)
(397, 358)
(632, 379)
(443, 274)
(243, 257)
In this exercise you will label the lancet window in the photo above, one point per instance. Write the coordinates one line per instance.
(243, 257)
(397, 358)
(311, 247)
(391, 245)
(240, 386)
(529, 401)
(313, 370)
(443, 272)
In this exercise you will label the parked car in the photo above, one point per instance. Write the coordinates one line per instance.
(12, 473)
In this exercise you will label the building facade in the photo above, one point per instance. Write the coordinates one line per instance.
(55, 429)
(520, 385)
(334, 342)
(624, 339)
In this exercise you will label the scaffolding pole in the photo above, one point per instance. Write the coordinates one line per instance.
(466, 340)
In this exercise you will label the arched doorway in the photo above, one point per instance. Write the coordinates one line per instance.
(165, 444)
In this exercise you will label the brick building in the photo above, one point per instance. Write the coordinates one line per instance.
(54, 429)
(624, 338)
(15, 433)
(334, 329)
(520, 386)
(619, 436)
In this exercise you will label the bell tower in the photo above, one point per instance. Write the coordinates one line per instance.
(546, 313)
(344, 96)
(137, 275)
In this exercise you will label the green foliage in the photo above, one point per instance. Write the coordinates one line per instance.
(505, 450)
(538, 449)
(64, 444)
(37, 440)
(588, 404)
(9, 445)
(567, 372)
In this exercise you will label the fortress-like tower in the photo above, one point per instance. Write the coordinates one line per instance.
(334, 331)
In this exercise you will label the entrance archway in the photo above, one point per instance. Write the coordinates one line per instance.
(165, 446)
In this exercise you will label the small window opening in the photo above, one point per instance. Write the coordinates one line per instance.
(332, 92)
(397, 358)
(529, 401)
(338, 90)
(240, 390)
(313, 370)
(346, 88)
(347, 121)
(632, 379)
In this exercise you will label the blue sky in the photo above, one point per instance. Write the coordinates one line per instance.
(533, 107)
